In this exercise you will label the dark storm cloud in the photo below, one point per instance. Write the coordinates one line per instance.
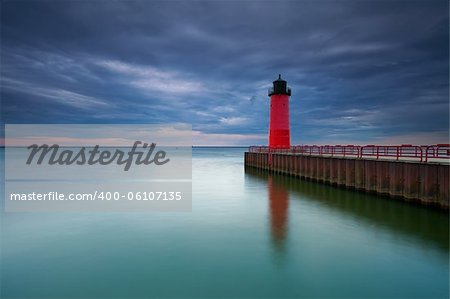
(359, 70)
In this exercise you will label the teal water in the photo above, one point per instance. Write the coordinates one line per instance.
(250, 234)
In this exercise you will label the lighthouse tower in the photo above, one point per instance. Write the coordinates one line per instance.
(279, 129)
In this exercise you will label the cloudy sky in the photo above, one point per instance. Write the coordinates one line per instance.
(360, 71)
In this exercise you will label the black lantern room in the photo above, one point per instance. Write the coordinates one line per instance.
(280, 87)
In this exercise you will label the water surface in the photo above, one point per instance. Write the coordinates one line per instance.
(250, 234)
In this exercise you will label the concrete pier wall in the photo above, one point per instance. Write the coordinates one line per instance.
(426, 183)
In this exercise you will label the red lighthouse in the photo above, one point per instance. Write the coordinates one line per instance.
(279, 129)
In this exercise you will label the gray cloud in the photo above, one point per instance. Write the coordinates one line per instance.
(359, 70)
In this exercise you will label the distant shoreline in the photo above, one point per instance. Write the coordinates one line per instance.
(206, 146)
(220, 146)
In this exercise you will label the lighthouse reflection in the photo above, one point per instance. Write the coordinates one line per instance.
(278, 205)
(278, 209)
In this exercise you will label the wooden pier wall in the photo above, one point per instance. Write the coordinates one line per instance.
(426, 183)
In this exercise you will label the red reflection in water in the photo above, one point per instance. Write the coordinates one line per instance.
(278, 203)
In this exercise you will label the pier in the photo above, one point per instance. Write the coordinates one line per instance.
(412, 173)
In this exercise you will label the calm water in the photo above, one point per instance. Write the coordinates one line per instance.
(250, 235)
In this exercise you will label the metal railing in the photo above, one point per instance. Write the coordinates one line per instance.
(423, 153)
(271, 90)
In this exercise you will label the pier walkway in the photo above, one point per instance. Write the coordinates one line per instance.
(411, 172)
(438, 153)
